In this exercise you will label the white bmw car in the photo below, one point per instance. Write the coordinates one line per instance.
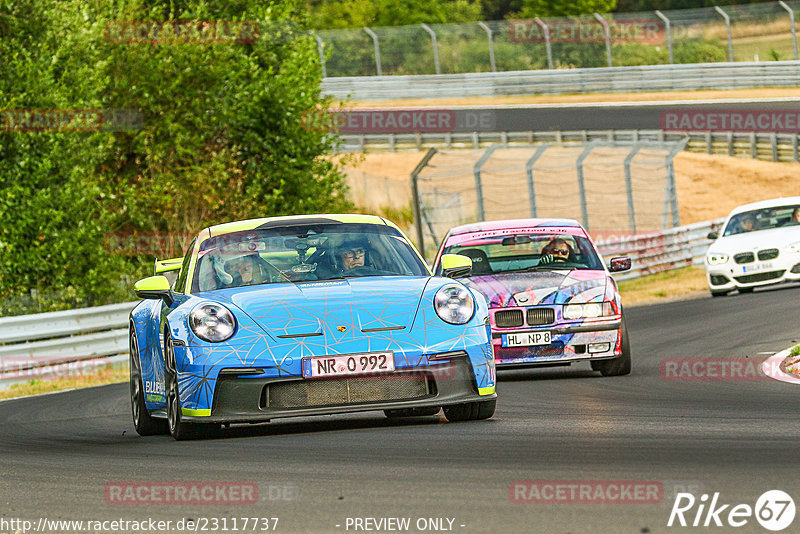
(758, 246)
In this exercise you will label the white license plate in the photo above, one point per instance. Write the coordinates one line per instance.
(755, 267)
(526, 339)
(348, 364)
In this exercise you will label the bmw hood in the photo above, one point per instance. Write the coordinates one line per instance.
(759, 240)
(332, 308)
(542, 287)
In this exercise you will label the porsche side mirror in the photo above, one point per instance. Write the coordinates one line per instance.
(620, 263)
(154, 287)
(712, 235)
(456, 265)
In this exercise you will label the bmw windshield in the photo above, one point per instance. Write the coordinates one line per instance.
(526, 252)
(763, 219)
(302, 253)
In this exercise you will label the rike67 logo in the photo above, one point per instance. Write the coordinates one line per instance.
(774, 510)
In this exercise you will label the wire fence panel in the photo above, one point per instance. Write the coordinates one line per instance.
(609, 187)
(751, 32)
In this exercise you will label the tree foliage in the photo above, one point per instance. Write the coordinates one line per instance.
(222, 138)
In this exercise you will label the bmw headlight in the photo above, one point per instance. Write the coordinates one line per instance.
(716, 259)
(212, 322)
(454, 304)
(589, 310)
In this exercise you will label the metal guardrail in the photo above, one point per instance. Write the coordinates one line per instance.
(690, 77)
(50, 344)
(764, 146)
(661, 251)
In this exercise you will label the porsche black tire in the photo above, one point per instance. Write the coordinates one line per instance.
(470, 411)
(619, 366)
(179, 429)
(719, 293)
(411, 412)
(144, 423)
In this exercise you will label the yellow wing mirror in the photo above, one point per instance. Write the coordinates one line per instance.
(154, 287)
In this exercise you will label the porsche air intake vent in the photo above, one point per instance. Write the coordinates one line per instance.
(358, 390)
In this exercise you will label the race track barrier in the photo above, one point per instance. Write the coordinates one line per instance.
(48, 345)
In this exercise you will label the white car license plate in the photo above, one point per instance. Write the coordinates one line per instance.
(526, 339)
(348, 364)
(751, 268)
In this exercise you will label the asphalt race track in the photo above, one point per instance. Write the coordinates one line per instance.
(740, 438)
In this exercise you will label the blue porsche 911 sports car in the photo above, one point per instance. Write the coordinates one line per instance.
(306, 315)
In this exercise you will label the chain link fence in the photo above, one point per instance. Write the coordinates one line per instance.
(619, 188)
(752, 32)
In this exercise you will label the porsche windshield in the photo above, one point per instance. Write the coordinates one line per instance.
(763, 219)
(527, 252)
(303, 253)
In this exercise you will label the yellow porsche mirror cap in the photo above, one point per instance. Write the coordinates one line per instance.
(154, 287)
(456, 265)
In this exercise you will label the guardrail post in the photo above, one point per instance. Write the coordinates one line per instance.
(668, 27)
(416, 201)
(795, 151)
(629, 186)
(581, 186)
(529, 172)
(709, 144)
(753, 146)
(604, 22)
(490, 37)
(773, 140)
(731, 151)
(728, 28)
(547, 47)
(476, 170)
(320, 52)
(791, 21)
(377, 50)
(435, 47)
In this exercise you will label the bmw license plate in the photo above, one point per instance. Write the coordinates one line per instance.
(762, 266)
(526, 339)
(348, 364)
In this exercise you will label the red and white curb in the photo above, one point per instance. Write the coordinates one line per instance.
(772, 367)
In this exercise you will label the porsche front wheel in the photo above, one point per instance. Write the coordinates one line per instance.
(179, 429)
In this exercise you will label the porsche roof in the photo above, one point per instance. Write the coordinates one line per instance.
(266, 222)
(512, 223)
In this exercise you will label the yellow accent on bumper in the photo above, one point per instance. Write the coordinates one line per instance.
(196, 413)
(486, 391)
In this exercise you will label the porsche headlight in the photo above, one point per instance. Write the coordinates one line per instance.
(212, 322)
(454, 304)
(716, 259)
(590, 310)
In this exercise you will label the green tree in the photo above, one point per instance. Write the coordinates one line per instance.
(549, 8)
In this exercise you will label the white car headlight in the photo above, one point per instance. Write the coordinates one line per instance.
(716, 259)
(589, 310)
(212, 322)
(454, 304)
